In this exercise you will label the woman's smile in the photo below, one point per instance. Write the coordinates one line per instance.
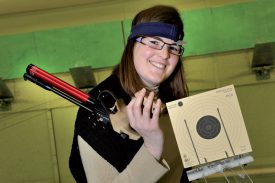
(158, 65)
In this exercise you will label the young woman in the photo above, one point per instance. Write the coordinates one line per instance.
(149, 75)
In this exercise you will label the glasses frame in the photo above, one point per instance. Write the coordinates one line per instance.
(140, 38)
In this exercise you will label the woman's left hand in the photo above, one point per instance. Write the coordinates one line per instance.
(146, 121)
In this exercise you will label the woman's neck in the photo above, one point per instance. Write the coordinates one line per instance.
(154, 89)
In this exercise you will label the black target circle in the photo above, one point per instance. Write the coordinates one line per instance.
(208, 127)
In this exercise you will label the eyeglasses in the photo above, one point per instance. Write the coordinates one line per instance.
(159, 44)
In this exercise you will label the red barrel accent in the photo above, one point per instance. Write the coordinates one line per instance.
(57, 83)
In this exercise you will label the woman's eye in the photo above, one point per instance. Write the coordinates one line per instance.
(173, 48)
(154, 42)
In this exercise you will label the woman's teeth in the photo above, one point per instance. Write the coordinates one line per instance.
(158, 65)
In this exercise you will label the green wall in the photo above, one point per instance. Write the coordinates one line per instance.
(233, 27)
(58, 50)
(208, 30)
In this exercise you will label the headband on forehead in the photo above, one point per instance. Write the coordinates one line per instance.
(157, 29)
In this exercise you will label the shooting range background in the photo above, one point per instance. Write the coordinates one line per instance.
(36, 135)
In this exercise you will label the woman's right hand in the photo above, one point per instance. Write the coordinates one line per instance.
(146, 121)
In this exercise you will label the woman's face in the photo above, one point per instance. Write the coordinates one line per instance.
(154, 66)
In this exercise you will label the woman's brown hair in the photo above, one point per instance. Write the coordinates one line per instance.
(172, 88)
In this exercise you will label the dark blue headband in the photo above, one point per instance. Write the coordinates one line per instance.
(157, 29)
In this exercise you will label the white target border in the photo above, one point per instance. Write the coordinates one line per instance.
(221, 103)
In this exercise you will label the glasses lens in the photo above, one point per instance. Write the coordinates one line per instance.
(154, 43)
(158, 44)
(179, 52)
(175, 49)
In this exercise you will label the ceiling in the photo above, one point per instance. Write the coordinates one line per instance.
(8, 7)
(30, 15)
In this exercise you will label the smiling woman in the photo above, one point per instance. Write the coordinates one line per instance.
(154, 63)
(149, 75)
